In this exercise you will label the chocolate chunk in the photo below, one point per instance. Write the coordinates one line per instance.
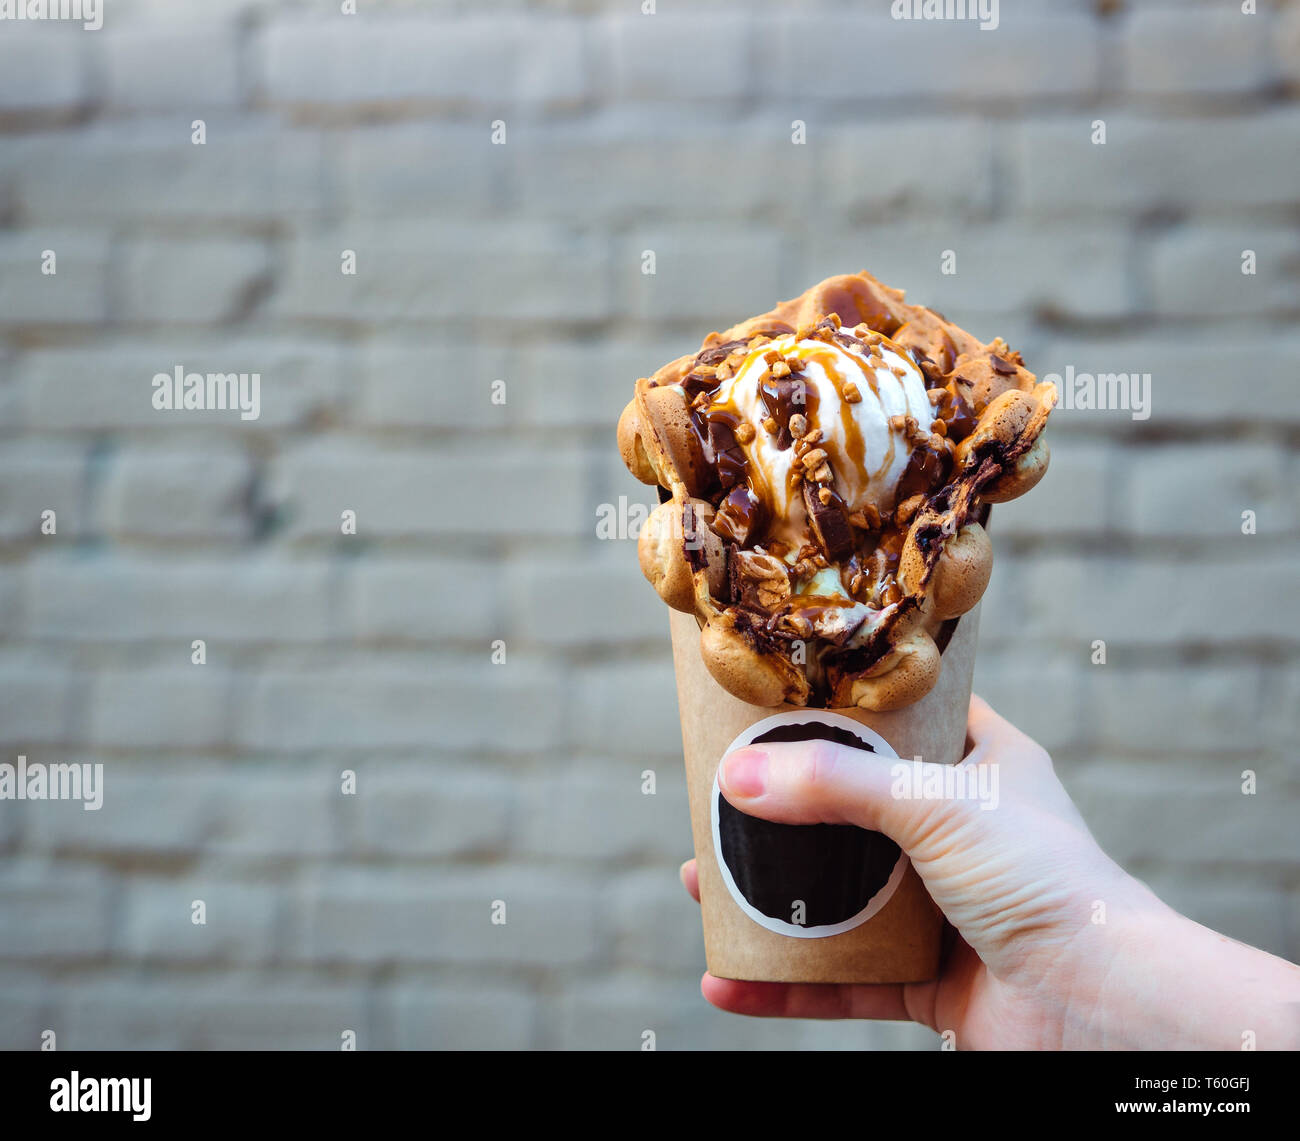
(738, 517)
(1000, 366)
(830, 525)
(924, 470)
(719, 352)
(727, 455)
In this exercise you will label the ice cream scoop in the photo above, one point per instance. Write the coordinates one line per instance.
(855, 395)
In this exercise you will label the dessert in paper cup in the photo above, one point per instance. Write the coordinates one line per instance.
(825, 472)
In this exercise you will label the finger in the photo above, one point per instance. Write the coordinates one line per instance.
(819, 782)
(690, 877)
(806, 1000)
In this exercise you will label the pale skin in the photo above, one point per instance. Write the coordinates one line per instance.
(1029, 966)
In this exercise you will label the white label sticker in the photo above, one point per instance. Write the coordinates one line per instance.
(806, 881)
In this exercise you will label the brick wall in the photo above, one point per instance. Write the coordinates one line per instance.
(522, 262)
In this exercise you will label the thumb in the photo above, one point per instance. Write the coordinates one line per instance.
(821, 782)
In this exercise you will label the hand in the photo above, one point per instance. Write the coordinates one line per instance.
(1030, 966)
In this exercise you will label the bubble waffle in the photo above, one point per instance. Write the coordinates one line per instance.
(827, 466)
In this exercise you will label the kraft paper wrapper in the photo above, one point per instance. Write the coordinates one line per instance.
(900, 943)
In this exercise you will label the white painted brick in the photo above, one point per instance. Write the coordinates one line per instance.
(460, 169)
(1174, 51)
(477, 1018)
(656, 924)
(1175, 710)
(466, 705)
(54, 912)
(75, 293)
(164, 810)
(634, 161)
(612, 1013)
(36, 704)
(239, 927)
(194, 66)
(989, 278)
(25, 1013)
(426, 600)
(410, 491)
(599, 812)
(1151, 162)
(680, 55)
(38, 476)
(586, 600)
(1189, 385)
(200, 281)
(629, 709)
(1139, 603)
(127, 599)
(111, 386)
(1041, 693)
(703, 273)
(1197, 271)
(470, 60)
(430, 810)
(388, 915)
(893, 166)
(554, 273)
(1183, 816)
(41, 69)
(184, 707)
(1071, 499)
(229, 1014)
(276, 812)
(870, 56)
(199, 492)
(440, 385)
(252, 170)
(584, 385)
(1202, 489)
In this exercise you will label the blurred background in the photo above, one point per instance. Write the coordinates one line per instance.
(496, 677)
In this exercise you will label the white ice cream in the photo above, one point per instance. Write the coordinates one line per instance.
(866, 455)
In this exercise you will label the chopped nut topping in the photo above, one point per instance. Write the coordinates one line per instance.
(780, 368)
(850, 393)
(826, 495)
(936, 441)
(812, 437)
(705, 369)
(820, 561)
(896, 423)
(724, 371)
(701, 400)
(940, 427)
(822, 474)
(859, 520)
(803, 332)
(759, 341)
(769, 425)
(907, 509)
(796, 477)
(898, 370)
(873, 516)
(936, 395)
(798, 425)
(744, 433)
(813, 458)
